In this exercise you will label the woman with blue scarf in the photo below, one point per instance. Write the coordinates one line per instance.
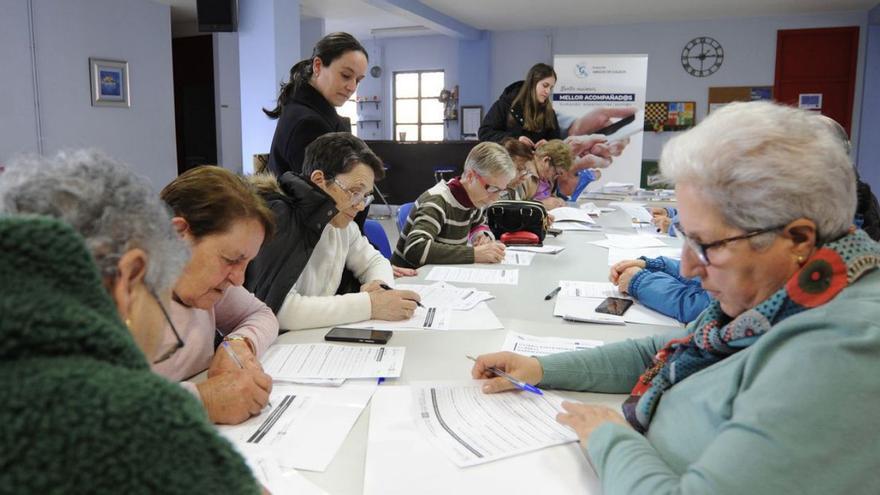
(774, 388)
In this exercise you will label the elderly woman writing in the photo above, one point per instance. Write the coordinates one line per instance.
(224, 222)
(773, 388)
(88, 257)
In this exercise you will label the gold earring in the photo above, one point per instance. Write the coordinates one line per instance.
(128, 322)
(800, 260)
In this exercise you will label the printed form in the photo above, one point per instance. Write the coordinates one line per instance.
(530, 345)
(294, 361)
(473, 275)
(473, 428)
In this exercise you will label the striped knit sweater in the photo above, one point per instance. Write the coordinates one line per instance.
(438, 229)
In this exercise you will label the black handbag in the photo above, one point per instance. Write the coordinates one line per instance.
(518, 216)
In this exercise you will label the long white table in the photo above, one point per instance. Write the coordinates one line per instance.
(440, 355)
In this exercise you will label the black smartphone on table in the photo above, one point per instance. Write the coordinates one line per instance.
(616, 306)
(362, 335)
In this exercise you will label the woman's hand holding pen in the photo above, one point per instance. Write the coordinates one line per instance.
(393, 305)
(222, 362)
(527, 369)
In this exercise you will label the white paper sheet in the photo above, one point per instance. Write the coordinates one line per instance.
(545, 249)
(594, 210)
(444, 295)
(579, 288)
(583, 309)
(576, 227)
(293, 361)
(480, 317)
(635, 211)
(473, 428)
(400, 461)
(517, 258)
(474, 275)
(630, 241)
(426, 317)
(569, 214)
(530, 345)
(616, 255)
(305, 426)
(268, 473)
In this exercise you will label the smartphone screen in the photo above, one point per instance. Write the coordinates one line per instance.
(364, 335)
(614, 306)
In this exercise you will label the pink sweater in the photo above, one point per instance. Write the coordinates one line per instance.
(238, 313)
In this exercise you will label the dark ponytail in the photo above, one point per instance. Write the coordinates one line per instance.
(328, 49)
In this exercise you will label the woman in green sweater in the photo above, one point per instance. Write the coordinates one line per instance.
(87, 259)
(773, 388)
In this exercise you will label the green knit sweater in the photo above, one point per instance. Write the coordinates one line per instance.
(80, 411)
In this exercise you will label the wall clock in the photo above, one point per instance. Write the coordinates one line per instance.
(702, 56)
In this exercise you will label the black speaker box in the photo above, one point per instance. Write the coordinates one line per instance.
(217, 16)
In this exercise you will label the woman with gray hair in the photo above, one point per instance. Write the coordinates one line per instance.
(773, 388)
(88, 257)
(450, 214)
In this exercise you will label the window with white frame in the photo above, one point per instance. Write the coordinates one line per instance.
(418, 113)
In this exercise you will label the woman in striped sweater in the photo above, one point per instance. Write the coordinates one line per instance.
(447, 225)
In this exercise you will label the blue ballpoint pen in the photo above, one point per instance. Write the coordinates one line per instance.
(518, 383)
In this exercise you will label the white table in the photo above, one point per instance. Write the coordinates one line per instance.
(440, 355)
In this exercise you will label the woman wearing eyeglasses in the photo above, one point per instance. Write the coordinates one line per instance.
(773, 388)
(88, 258)
(224, 221)
(298, 272)
(447, 224)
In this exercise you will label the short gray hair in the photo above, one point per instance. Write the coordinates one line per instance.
(114, 209)
(764, 165)
(490, 159)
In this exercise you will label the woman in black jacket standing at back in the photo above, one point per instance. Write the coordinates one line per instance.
(524, 110)
(306, 106)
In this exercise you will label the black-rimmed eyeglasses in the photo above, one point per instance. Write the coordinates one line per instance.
(702, 249)
(170, 352)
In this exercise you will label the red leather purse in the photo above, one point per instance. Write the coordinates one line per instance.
(520, 237)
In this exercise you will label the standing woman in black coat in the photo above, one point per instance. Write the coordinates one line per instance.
(306, 106)
(524, 110)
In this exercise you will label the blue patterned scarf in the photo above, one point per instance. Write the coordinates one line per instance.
(714, 336)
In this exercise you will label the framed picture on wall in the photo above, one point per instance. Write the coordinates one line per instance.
(471, 118)
(109, 83)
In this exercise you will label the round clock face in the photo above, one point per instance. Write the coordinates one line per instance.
(702, 56)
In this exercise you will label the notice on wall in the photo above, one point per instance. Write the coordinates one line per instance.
(588, 85)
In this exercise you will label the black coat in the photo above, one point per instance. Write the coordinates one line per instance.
(505, 120)
(302, 210)
(867, 210)
(307, 115)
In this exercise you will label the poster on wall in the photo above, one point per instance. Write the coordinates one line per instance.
(591, 86)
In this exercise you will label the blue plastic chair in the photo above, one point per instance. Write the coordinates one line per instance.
(377, 237)
(402, 215)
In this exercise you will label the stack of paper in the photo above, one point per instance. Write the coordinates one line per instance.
(619, 187)
(578, 301)
(473, 275)
(530, 345)
(636, 211)
(594, 210)
(545, 249)
(296, 361)
(568, 218)
(447, 296)
(629, 241)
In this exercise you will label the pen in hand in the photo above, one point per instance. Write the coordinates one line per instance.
(518, 383)
(387, 287)
(552, 293)
(231, 352)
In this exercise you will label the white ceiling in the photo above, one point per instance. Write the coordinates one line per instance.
(359, 17)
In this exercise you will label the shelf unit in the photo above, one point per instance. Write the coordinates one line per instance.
(375, 121)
